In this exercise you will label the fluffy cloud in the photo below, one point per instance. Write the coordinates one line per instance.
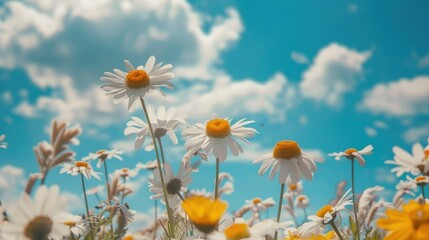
(12, 181)
(126, 145)
(416, 134)
(405, 97)
(371, 132)
(299, 57)
(335, 72)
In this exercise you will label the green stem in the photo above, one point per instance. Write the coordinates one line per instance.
(108, 196)
(354, 199)
(86, 201)
(305, 214)
(160, 167)
(217, 180)
(156, 219)
(334, 227)
(423, 194)
(279, 209)
(162, 151)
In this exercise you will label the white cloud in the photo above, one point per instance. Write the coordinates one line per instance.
(303, 119)
(423, 62)
(126, 145)
(351, 7)
(404, 97)
(25, 109)
(74, 202)
(371, 132)
(416, 134)
(12, 181)
(383, 175)
(335, 72)
(299, 57)
(380, 124)
(7, 97)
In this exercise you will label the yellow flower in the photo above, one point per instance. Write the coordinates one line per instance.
(204, 213)
(328, 236)
(412, 223)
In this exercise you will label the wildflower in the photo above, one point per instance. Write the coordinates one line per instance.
(417, 163)
(103, 155)
(204, 213)
(324, 216)
(3, 144)
(259, 205)
(163, 122)
(125, 173)
(37, 218)
(302, 201)
(137, 82)
(353, 153)
(293, 234)
(78, 226)
(288, 158)
(412, 222)
(294, 188)
(419, 181)
(95, 190)
(174, 185)
(217, 135)
(150, 165)
(241, 230)
(80, 167)
(407, 187)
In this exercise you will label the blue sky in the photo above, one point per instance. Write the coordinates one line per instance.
(331, 75)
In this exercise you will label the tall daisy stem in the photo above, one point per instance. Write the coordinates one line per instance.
(160, 168)
(279, 209)
(423, 194)
(354, 200)
(161, 150)
(305, 214)
(108, 195)
(217, 180)
(84, 195)
(156, 219)
(334, 227)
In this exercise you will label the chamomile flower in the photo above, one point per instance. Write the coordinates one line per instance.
(174, 184)
(293, 188)
(217, 135)
(40, 218)
(288, 158)
(135, 83)
(163, 122)
(80, 167)
(407, 187)
(405, 162)
(95, 190)
(259, 205)
(125, 173)
(103, 155)
(302, 201)
(3, 144)
(419, 181)
(78, 226)
(324, 216)
(150, 165)
(353, 153)
(241, 230)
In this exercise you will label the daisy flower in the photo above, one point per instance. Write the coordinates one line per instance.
(150, 165)
(204, 213)
(407, 187)
(163, 122)
(353, 153)
(174, 185)
(419, 181)
(405, 162)
(3, 144)
(241, 230)
(125, 173)
(78, 226)
(412, 222)
(294, 188)
(80, 167)
(103, 155)
(292, 163)
(95, 190)
(217, 135)
(135, 83)
(259, 205)
(40, 218)
(324, 216)
(302, 201)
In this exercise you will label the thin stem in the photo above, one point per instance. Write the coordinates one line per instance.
(423, 194)
(334, 227)
(162, 151)
(44, 178)
(84, 195)
(279, 209)
(160, 167)
(108, 195)
(305, 214)
(354, 199)
(156, 219)
(217, 179)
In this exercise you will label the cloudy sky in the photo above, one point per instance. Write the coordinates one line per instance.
(329, 75)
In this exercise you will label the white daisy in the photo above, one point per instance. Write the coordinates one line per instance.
(353, 153)
(404, 162)
(241, 230)
(200, 192)
(37, 218)
(174, 185)
(103, 155)
(125, 173)
(419, 181)
(293, 188)
(302, 201)
(150, 165)
(137, 82)
(217, 135)
(163, 122)
(292, 163)
(95, 190)
(80, 167)
(78, 226)
(3, 144)
(325, 215)
(259, 205)
(407, 187)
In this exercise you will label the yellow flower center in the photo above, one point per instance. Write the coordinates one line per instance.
(237, 231)
(81, 164)
(301, 198)
(70, 223)
(218, 128)
(325, 209)
(137, 79)
(350, 151)
(420, 179)
(256, 200)
(293, 187)
(129, 237)
(38, 228)
(426, 154)
(286, 150)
